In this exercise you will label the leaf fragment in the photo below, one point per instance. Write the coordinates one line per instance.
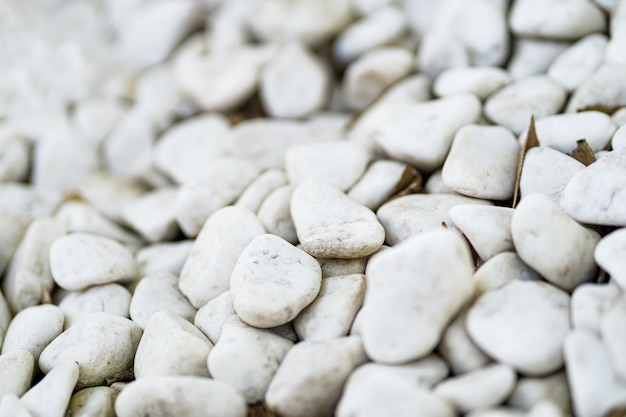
(532, 141)
(583, 153)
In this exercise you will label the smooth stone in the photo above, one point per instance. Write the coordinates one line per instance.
(275, 214)
(529, 392)
(556, 19)
(5, 316)
(595, 388)
(552, 243)
(95, 401)
(107, 298)
(273, 281)
(478, 389)
(16, 372)
(533, 56)
(215, 187)
(223, 238)
(311, 377)
(381, 26)
(330, 224)
(479, 81)
(421, 133)
(229, 26)
(180, 395)
(331, 314)
(597, 193)
(618, 141)
(617, 29)
(13, 227)
(95, 116)
(395, 301)
(368, 76)
(513, 105)
(338, 163)
(247, 358)
(482, 162)
(590, 304)
(211, 317)
(159, 97)
(255, 194)
(503, 326)
(51, 396)
(79, 260)
(109, 193)
(337, 267)
(488, 228)
(28, 277)
(439, 51)
(435, 184)
(153, 215)
(610, 255)
(25, 200)
(606, 85)
(613, 336)
(547, 171)
(458, 349)
(33, 328)
(10, 406)
(102, 344)
(619, 116)
(159, 292)
(170, 345)
(187, 147)
(14, 164)
(576, 64)
(294, 82)
(167, 256)
(500, 270)
(415, 214)
(379, 182)
(425, 372)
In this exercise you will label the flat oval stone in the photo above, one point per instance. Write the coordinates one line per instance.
(529, 339)
(79, 260)
(16, 372)
(479, 81)
(211, 317)
(610, 255)
(33, 328)
(332, 225)
(273, 281)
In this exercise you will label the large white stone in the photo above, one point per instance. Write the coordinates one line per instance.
(439, 51)
(23, 199)
(94, 117)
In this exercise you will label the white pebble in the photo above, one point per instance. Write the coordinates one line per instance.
(159, 97)
(618, 141)
(109, 194)
(13, 227)
(530, 391)
(275, 214)
(337, 267)
(458, 349)
(610, 256)
(613, 336)
(94, 401)
(479, 81)
(533, 56)
(259, 189)
(107, 298)
(577, 63)
(502, 269)
(590, 303)
(16, 372)
(606, 85)
(153, 215)
(94, 117)
(33, 328)
(440, 51)
(211, 317)
(167, 256)
(51, 396)
(23, 199)
(379, 182)
(14, 164)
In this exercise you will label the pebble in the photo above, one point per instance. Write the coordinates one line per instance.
(606, 86)
(613, 336)
(13, 227)
(275, 214)
(311, 377)
(610, 256)
(33, 328)
(338, 163)
(78, 260)
(51, 396)
(94, 117)
(578, 62)
(107, 298)
(166, 256)
(102, 344)
(332, 313)
(379, 182)
(617, 30)
(547, 171)
(259, 189)
(217, 186)
(555, 19)
(159, 292)
(368, 76)
(415, 214)
(5, 317)
(513, 105)
(619, 117)
(210, 318)
(531, 340)
(28, 277)
(170, 345)
(596, 194)
(482, 162)
(479, 81)
(10, 406)
(435, 185)
(501, 269)
(294, 82)
(338, 267)
(533, 56)
(330, 224)
(189, 396)
(14, 164)
(159, 97)
(594, 387)
(440, 51)
(478, 389)
(109, 194)
(16, 372)
(273, 281)
(247, 358)
(618, 141)
(540, 227)
(25, 200)
(153, 215)
(94, 401)
(395, 301)
(421, 133)
(488, 228)
(530, 392)
(590, 303)
(208, 268)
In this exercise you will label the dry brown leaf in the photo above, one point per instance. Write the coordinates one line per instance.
(531, 141)
(583, 153)
(260, 410)
(409, 183)
(601, 108)
(126, 375)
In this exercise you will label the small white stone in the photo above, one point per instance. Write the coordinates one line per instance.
(159, 292)
(79, 260)
(170, 345)
(610, 255)
(153, 215)
(435, 184)
(14, 163)
(440, 51)
(23, 199)
(208, 268)
(294, 82)
(414, 214)
(51, 396)
(577, 63)
(619, 116)
(311, 377)
(478, 389)
(396, 302)
(102, 344)
(273, 281)
(613, 336)
(94, 401)
(618, 141)
(107, 298)
(94, 117)
(275, 214)
(458, 349)
(533, 56)
(211, 317)
(215, 187)
(16, 372)
(338, 163)
(379, 182)
(158, 95)
(513, 105)
(13, 227)
(617, 25)
(332, 313)
(109, 194)
(180, 395)
(590, 303)
(338, 267)
(247, 358)
(530, 339)
(532, 391)
(479, 81)
(553, 243)
(259, 189)
(167, 256)
(331, 225)
(607, 85)
(33, 328)
(597, 194)
(502, 269)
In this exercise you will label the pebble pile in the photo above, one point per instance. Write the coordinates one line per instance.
(312, 208)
